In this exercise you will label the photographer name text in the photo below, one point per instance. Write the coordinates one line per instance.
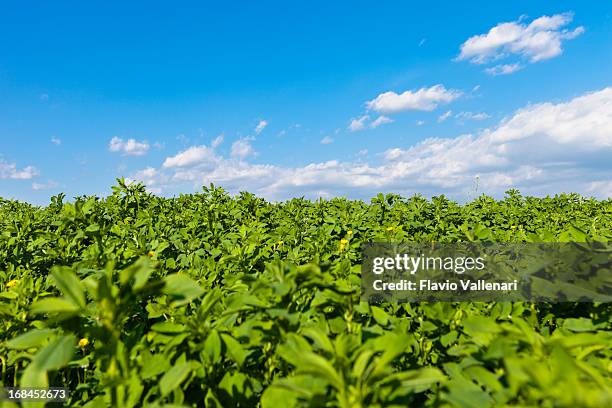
(429, 285)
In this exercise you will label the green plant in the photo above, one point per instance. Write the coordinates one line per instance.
(213, 300)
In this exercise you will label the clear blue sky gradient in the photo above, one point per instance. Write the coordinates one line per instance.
(179, 74)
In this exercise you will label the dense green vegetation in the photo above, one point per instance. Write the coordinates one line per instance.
(213, 300)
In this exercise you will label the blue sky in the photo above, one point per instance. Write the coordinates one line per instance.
(314, 99)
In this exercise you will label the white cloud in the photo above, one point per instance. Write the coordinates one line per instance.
(364, 122)
(10, 171)
(183, 139)
(504, 69)
(130, 147)
(242, 148)
(261, 126)
(381, 120)
(327, 140)
(420, 122)
(445, 116)
(541, 149)
(537, 41)
(424, 99)
(56, 141)
(148, 175)
(601, 188)
(393, 154)
(358, 124)
(217, 141)
(472, 116)
(584, 122)
(44, 186)
(152, 178)
(191, 156)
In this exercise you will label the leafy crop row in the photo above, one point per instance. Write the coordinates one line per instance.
(213, 300)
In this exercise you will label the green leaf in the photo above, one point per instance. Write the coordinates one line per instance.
(237, 385)
(361, 363)
(183, 287)
(392, 345)
(70, 285)
(380, 315)
(212, 346)
(234, 348)
(288, 392)
(53, 356)
(174, 377)
(307, 362)
(481, 329)
(320, 339)
(34, 377)
(579, 324)
(318, 366)
(168, 327)
(54, 305)
(33, 338)
(137, 274)
(154, 365)
(466, 394)
(56, 354)
(419, 379)
(448, 338)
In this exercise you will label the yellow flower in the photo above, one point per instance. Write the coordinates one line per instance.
(280, 243)
(151, 254)
(390, 229)
(349, 232)
(11, 283)
(343, 243)
(83, 342)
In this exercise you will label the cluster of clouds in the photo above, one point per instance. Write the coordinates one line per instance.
(541, 148)
(366, 122)
(387, 103)
(12, 172)
(129, 147)
(540, 40)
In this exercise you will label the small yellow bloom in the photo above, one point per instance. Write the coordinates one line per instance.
(349, 232)
(280, 243)
(83, 342)
(390, 229)
(343, 243)
(11, 283)
(151, 254)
